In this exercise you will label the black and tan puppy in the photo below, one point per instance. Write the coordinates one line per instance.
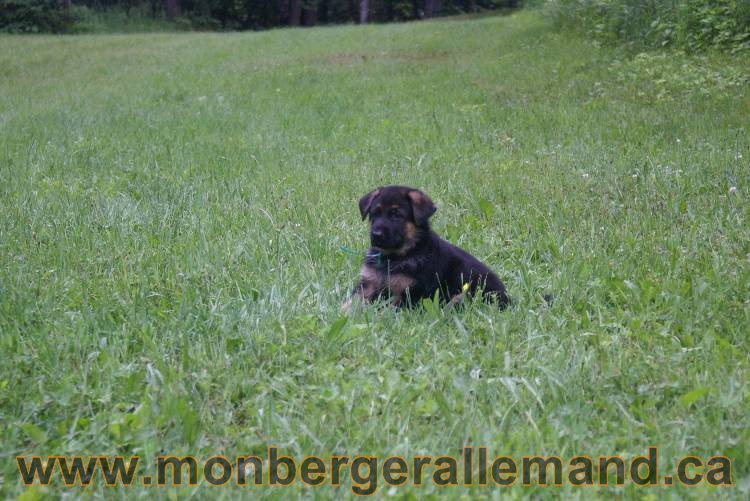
(407, 261)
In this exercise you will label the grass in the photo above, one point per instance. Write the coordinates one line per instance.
(174, 206)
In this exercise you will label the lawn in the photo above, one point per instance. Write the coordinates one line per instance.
(179, 227)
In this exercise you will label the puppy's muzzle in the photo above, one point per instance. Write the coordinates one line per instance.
(378, 237)
(383, 238)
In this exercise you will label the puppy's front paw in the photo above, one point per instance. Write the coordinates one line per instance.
(456, 301)
(346, 306)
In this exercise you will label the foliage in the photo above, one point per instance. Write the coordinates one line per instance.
(148, 15)
(690, 24)
(660, 75)
(33, 16)
(117, 19)
(173, 206)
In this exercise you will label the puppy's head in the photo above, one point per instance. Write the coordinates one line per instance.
(398, 216)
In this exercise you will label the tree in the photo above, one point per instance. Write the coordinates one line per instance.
(59, 16)
(296, 12)
(431, 8)
(310, 15)
(283, 6)
(173, 9)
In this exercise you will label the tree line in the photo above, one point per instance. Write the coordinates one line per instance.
(54, 15)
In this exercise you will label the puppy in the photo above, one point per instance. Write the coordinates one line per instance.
(407, 261)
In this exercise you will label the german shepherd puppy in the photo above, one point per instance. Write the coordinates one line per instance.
(407, 261)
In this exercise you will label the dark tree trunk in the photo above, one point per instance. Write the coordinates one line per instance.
(295, 14)
(364, 11)
(173, 9)
(310, 16)
(283, 6)
(431, 8)
(323, 12)
(67, 3)
(154, 8)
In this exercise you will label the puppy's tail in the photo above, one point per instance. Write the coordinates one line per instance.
(508, 302)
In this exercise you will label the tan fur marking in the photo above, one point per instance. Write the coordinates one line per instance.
(369, 274)
(410, 239)
(416, 197)
(371, 282)
(398, 283)
(368, 287)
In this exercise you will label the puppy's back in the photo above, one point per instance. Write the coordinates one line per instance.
(461, 268)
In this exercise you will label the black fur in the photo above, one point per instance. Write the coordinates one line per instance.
(407, 261)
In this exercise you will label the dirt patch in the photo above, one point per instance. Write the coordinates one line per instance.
(354, 58)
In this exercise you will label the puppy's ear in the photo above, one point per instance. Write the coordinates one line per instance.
(366, 201)
(421, 206)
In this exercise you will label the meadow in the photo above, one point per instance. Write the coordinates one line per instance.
(179, 226)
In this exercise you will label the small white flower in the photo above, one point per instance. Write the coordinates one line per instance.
(732, 189)
(585, 175)
(475, 373)
(678, 140)
(635, 176)
(738, 156)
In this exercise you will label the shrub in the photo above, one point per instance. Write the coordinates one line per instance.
(33, 16)
(689, 24)
(116, 19)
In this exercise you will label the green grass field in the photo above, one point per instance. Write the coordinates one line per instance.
(174, 208)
